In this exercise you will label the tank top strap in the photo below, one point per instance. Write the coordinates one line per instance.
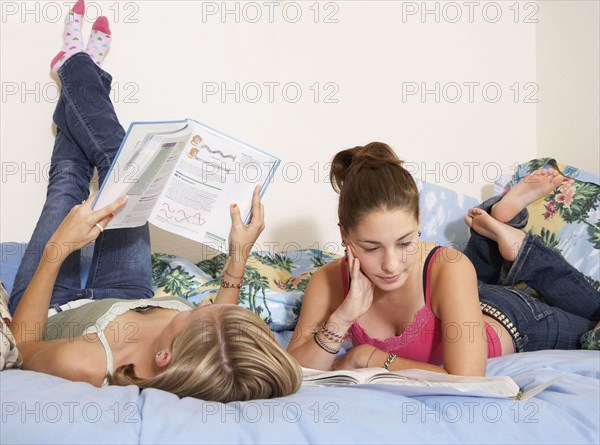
(427, 271)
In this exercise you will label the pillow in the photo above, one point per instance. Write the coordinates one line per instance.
(274, 283)
(568, 219)
(442, 215)
(9, 355)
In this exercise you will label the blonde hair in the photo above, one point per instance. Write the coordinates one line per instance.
(228, 355)
(369, 178)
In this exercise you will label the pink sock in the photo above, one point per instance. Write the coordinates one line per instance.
(72, 36)
(99, 41)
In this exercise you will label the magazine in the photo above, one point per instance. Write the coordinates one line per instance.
(418, 382)
(182, 176)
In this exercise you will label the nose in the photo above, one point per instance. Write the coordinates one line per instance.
(390, 262)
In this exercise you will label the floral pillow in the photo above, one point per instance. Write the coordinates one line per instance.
(568, 219)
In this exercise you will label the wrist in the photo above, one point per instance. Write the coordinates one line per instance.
(55, 253)
(378, 358)
(371, 356)
(338, 324)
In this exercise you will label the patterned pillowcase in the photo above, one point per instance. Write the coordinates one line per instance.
(568, 220)
(274, 283)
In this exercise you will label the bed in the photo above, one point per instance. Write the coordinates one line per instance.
(38, 408)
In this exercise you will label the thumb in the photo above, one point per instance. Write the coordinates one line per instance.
(234, 211)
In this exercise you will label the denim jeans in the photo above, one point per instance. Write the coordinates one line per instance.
(88, 135)
(572, 305)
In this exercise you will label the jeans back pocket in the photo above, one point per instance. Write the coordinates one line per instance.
(538, 309)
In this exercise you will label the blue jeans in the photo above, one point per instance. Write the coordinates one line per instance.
(572, 305)
(88, 135)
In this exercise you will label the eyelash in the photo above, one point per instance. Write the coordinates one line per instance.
(375, 248)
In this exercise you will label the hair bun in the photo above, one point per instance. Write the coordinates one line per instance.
(351, 161)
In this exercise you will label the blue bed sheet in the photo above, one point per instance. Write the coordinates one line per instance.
(38, 408)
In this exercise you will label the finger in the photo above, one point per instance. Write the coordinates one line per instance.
(256, 213)
(101, 225)
(236, 218)
(106, 212)
(262, 215)
(350, 252)
(335, 364)
(352, 259)
(89, 201)
(356, 268)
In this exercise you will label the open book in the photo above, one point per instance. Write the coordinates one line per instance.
(182, 176)
(418, 382)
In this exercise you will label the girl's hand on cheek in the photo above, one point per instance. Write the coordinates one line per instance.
(360, 296)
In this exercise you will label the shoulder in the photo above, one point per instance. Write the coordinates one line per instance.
(452, 278)
(76, 359)
(447, 261)
(326, 284)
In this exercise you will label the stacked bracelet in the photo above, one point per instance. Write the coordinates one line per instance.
(388, 361)
(332, 335)
(229, 285)
(324, 346)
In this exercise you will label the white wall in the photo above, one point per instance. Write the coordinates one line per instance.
(370, 57)
(568, 69)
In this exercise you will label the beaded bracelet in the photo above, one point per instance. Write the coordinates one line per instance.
(229, 285)
(329, 336)
(323, 345)
(331, 333)
(389, 360)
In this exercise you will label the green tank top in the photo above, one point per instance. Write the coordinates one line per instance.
(93, 317)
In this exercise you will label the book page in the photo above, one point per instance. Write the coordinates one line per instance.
(495, 386)
(213, 172)
(141, 169)
(317, 377)
(417, 382)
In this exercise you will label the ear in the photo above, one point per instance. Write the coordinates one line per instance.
(162, 358)
(343, 233)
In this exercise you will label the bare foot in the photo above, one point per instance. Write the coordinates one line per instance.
(508, 238)
(531, 188)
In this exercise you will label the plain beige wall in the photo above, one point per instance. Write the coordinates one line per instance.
(370, 57)
(568, 69)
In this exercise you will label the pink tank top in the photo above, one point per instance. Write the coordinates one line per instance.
(421, 340)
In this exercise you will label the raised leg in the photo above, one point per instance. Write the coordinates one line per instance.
(88, 134)
(121, 265)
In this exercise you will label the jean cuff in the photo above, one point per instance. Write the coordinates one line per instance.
(519, 221)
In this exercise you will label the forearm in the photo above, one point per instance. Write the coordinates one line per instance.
(379, 358)
(31, 315)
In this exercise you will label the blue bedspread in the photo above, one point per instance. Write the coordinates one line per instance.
(38, 408)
